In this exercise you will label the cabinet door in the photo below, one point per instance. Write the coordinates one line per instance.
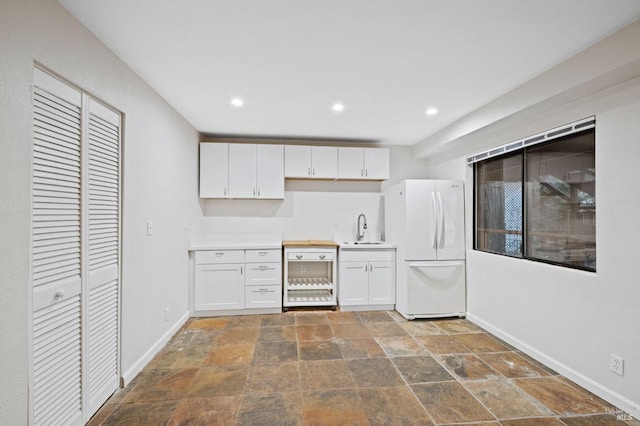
(376, 163)
(219, 287)
(214, 170)
(351, 163)
(297, 161)
(270, 171)
(353, 286)
(242, 171)
(324, 162)
(382, 288)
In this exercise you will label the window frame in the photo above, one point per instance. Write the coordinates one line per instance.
(522, 152)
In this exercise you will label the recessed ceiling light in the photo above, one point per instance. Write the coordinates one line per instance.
(237, 102)
(431, 111)
(337, 107)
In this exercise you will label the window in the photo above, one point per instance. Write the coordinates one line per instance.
(539, 202)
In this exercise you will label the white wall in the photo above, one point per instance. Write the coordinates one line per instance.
(160, 183)
(313, 209)
(573, 320)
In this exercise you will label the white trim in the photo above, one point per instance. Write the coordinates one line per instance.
(137, 366)
(230, 312)
(614, 398)
(546, 136)
(360, 308)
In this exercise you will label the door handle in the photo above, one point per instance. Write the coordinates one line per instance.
(442, 230)
(435, 220)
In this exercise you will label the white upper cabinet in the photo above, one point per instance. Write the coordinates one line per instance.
(376, 163)
(214, 170)
(363, 163)
(351, 163)
(270, 171)
(311, 162)
(241, 171)
(324, 162)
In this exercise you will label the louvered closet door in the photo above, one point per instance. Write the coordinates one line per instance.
(103, 247)
(56, 275)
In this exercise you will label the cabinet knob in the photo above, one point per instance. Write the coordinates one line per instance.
(59, 294)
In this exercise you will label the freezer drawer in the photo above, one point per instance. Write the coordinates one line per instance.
(436, 289)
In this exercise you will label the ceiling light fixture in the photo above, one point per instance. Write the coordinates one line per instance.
(237, 102)
(431, 111)
(337, 107)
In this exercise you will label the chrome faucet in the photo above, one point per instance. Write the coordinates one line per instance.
(360, 235)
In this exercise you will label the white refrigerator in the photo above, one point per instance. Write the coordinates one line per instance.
(425, 219)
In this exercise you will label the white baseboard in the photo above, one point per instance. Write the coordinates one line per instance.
(137, 366)
(612, 397)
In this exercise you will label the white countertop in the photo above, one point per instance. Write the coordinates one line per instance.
(236, 241)
(268, 241)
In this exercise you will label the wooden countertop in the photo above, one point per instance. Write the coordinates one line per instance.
(309, 243)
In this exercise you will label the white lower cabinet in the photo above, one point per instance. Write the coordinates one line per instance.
(228, 282)
(219, 287)
(367, 279)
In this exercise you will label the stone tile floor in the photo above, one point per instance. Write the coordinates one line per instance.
(343, 368)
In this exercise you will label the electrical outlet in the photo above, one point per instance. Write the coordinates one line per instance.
(616, 364)
(149, 227)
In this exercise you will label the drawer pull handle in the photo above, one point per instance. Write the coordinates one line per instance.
(322, 256)
(263, 267)
(59, 294)
(219, 254)
(262, 253)
(298, 256)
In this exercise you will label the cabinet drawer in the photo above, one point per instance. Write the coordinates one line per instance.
(263, 256)
(367, 255)
(310, 256)
(264, 274)
(266, 296)
(219, 256)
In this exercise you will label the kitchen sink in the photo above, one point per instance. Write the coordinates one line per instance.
(362, 243)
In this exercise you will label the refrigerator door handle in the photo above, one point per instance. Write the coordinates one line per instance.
(442, 228)
(435, 220)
